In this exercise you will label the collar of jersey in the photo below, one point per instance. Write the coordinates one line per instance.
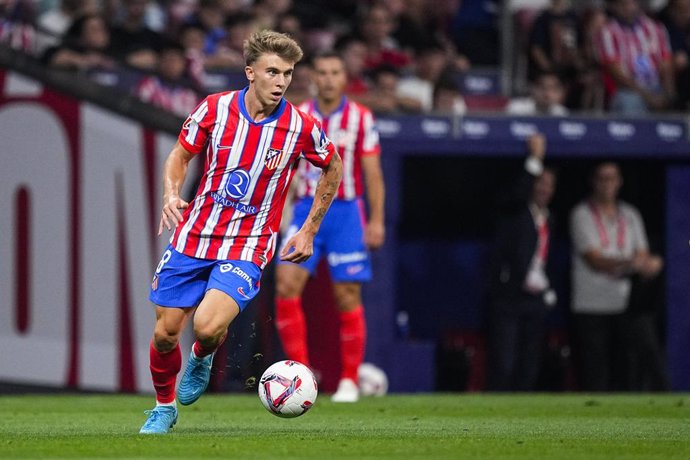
(339, 109)
(272, 117)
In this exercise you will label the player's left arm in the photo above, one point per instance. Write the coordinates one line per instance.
(300, 246)
(375, 230)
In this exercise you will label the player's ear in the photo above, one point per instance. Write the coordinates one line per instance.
(249, 72)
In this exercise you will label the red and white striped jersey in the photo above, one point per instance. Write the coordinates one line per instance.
(351, 128)
(639, 48)
(247, 172)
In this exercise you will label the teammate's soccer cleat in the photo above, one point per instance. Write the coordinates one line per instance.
(161, 420)
(347, 392)
(195, 379)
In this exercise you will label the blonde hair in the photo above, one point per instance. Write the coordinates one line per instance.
(271, 42)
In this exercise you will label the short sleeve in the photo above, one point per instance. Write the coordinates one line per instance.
(639, 235)
(581, 230)
(197, 127)
(318, 148)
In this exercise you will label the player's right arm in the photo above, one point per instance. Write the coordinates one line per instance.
(174, 174)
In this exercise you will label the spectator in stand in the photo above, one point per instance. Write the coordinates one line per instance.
(85, 46)
(375, 30)
(169, 88)
(210, 17)
(547, 98)
(416, 92)
(132, 41)
(382, 96)
(676, 18)
(268, 12)
(192, 40)
(476, 31)
(448, 99)
(16, 25)
(555, 45)
(53, 23)
(635, 55)
(354, 53)
(301, 89)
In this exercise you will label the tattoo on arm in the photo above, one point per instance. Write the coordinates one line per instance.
(330, 180)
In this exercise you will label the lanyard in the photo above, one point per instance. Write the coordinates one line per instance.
(542, 226)
(603, 234)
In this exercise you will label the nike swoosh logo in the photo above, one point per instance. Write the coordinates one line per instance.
(223, 147)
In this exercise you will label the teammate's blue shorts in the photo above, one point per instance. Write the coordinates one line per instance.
(340, 239)
(182, 281)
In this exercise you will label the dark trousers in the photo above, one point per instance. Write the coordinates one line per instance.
(601, 351)
(516, 342)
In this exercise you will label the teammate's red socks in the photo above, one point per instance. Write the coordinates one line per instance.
(353, 332)
(164, 368)
(292, 329)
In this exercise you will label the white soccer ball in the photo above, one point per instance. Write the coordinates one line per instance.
(372, 380)
(288, 389)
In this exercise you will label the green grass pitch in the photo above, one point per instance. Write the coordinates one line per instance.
(397, 427)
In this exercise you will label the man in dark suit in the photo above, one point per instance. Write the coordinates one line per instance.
(521, 294)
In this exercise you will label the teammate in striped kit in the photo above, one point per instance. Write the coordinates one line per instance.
(253, 140)
(345, 237)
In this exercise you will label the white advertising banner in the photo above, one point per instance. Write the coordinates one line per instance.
(79, 206)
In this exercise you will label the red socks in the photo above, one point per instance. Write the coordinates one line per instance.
(200, 351)
(353, 332)
(164, 368)
(292, 329)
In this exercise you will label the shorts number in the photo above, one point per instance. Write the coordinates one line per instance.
(164, 260)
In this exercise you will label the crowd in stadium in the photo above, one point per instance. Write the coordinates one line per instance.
(402, 55)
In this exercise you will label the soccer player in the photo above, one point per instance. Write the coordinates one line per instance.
(252, 141)
(345, 237)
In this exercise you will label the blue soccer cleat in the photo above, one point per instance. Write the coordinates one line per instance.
(195, 379)
(161, 420)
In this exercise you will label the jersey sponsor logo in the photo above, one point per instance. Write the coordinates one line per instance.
(238, 184)
(335, 258)
(242, 274)
(225, 268)
(273, 158)
(235, 189)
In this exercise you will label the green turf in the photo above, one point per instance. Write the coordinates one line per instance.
(400, 427)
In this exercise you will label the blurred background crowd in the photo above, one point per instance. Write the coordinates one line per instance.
(403, 56)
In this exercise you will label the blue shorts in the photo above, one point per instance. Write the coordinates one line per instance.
(340, 240)
(182, 281)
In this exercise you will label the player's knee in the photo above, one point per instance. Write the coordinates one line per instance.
(165, 340)
(348, 298)
(209, 334)
(287, 287)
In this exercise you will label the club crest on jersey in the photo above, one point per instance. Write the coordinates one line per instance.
(273, 157)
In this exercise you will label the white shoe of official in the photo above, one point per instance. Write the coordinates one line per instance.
(348, 392)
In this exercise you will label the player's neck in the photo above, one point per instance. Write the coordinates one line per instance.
(255, 108)
(327, 107)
